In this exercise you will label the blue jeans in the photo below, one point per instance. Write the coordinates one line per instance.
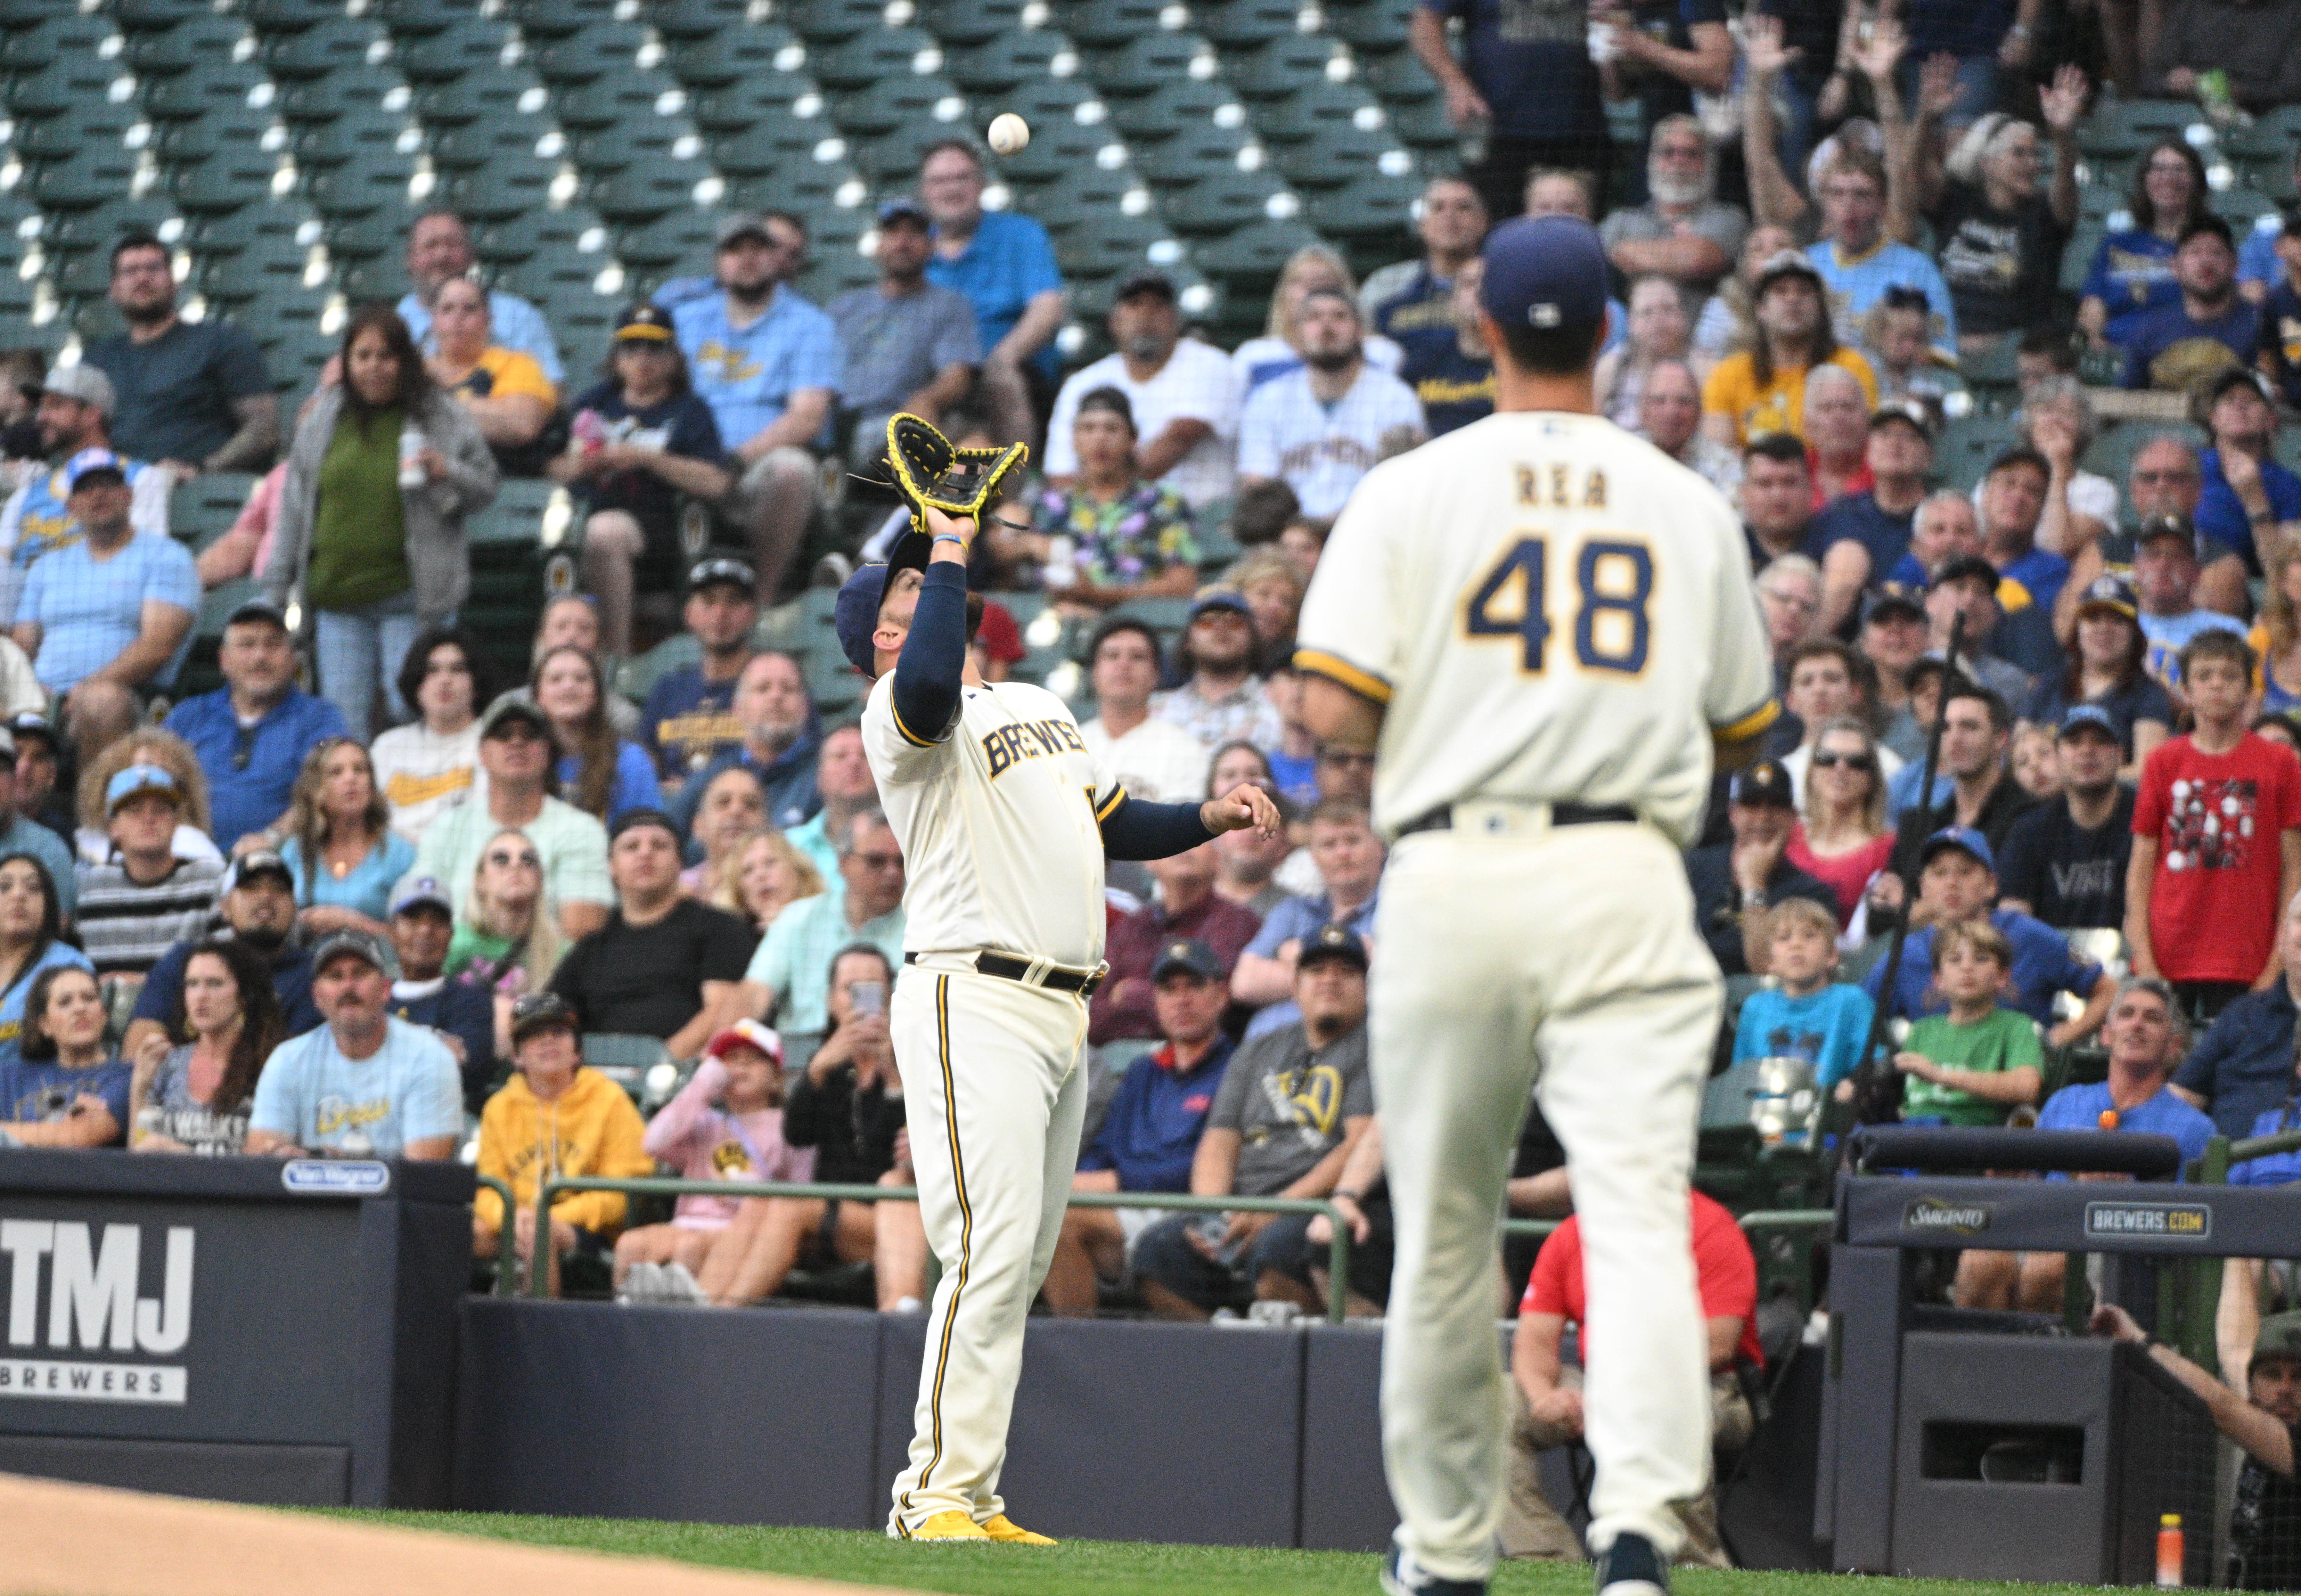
(361, 648)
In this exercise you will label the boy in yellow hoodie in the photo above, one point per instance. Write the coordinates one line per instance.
(552, 1118)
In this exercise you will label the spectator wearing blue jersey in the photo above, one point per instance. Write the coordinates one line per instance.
(104, 617)
(1863, 536)
(2176, 346)
(2260, 264)
(2147, 1032)
(689, 719)
(768, 364)
(599, 773)
(72, 414)
(1149, 1134)
(2132, 270)
(438, 247)
(1858, 262)
(2280, 306)
(2248, 499)
(1005, 265)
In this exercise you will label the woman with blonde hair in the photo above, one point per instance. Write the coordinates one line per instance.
(507, 940)
(2277, 635)
(771, 874)
(147, 745)
(341, 853)
(1273, 354)
(1842, 838)
(732, 810)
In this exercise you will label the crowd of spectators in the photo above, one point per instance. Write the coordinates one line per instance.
(364, 899)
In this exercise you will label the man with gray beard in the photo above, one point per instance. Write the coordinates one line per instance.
(1682, 232)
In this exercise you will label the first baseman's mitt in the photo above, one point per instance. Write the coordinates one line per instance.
(928, 470)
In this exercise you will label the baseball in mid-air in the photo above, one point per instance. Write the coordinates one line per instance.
(1008, 133)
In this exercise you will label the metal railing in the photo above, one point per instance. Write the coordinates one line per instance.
(1338, 1248)
(506, 1236)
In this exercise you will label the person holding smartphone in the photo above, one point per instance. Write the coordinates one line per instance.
(847, 1106)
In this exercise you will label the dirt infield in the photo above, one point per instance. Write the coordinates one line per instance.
(85, 1541)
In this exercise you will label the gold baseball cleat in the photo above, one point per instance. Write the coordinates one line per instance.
(1001, 1528)
(952, 1525)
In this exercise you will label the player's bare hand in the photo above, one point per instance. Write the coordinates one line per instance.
(1243, 806)
(2113, 1322)
(1557, 1409)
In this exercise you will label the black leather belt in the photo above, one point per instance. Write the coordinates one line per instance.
(1561, 814)
(1058, 978)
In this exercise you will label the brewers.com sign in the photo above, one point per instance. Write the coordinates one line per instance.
(91, 1306)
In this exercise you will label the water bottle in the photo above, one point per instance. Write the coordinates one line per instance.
(411, 463)
(2169, 1551)
(152, 1120)
(1475, 137)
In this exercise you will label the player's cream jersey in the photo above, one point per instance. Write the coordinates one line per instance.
(999, 825)
(1550, 609)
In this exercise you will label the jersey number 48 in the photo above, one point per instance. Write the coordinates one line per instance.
(1612, 630)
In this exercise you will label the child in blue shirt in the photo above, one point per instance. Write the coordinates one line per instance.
(1811, 1015)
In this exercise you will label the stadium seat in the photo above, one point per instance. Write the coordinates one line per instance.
(499, 191)
(148, 16)
(1286, 65)
(697, 19)
(876, 58)
(1242, 24)
(776, 138)
(60, 36)
(554, 19)
(1177, 104)
(227, 182)
(1377, 27)
(1060, 142)
(1366, 208)
(828, 21)
(1222, 202)
(216, 87)
(2128, 126)
(70, 87)
(1247, 260)
(1352, 154)
(325, 47)
(1017, 56)
(596, 51)
(241, 136)
(749, 52)
(364, 132)
(972, 21)
(82, 181)
(466, 44)
(202, 510)
(1145, 64)
(645, 188)
(1198, 149)
(905, 98)
(188, 45)
(289, 16)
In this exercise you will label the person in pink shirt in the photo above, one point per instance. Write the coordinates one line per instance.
(726, 1123)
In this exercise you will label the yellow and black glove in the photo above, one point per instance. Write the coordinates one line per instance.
(928, 470)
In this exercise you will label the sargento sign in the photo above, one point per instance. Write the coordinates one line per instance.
(1957, 1218)
(90, 1306)
(2187, 1220)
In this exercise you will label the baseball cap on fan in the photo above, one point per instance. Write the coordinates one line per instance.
(1546, 273)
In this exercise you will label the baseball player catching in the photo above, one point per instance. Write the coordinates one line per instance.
(1004, 820)
(1539, 623)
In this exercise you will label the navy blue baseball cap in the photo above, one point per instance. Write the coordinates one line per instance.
(2082, 717)
(856, 614)
(1545, 272)
(1965, 840)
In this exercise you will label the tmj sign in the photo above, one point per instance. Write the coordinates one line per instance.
(92, 1275)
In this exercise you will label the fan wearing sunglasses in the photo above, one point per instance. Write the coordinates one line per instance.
(1842, 838)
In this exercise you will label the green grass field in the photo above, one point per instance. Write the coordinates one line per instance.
(1102, 1568)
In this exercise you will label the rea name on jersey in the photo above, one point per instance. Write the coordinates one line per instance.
(1552, 610)
(999, 823)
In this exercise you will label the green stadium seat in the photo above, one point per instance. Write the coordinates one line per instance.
(1222, 202)
(215, 89)
(496, 192)
(1060, 142)
(348, 91)
(1114, 246)
(80, 277)
(876, 58)
(680, 238)
(1242, 24)
(802, 185)
(910, 98)
(1106, 24)
(890, 159)
(1968, 444)
(73, 87)
(325, 47)
(1398, 79)
(357, 187)
(99, 227)
(645, 188)
(828, 21)
(972, 21)
(145, 16)
(1149, 63)
(598, 51)
(366, 132)
(467, 45)
(1247, 260)
(2241, 207)
(2077, 254)
(749, 52)
(640, 135)
(1376, 28)
(1196, 150)
(776, 138)
(187, 46)
(468, 146)
(202, 510)
(1008, 59)
(1176, 105)
(553, 19)
(2269, 143)
(697, 19)
(1366, 208)
(82, 181)
(2128, 126)
(1286, 66)
(61, 36)
(189, 142)
(289, 16)
(1350, 156)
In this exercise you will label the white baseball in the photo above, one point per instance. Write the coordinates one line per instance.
(1008, 133)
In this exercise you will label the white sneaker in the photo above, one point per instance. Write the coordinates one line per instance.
(644, 1283)
(909, 1305)
(681, 1288)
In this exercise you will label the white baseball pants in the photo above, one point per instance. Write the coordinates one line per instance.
(1569, 954)
(993, 1072)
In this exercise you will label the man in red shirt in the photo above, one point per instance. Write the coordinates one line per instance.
(1548, 1400)
(1187, 906)
(2216, 854)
